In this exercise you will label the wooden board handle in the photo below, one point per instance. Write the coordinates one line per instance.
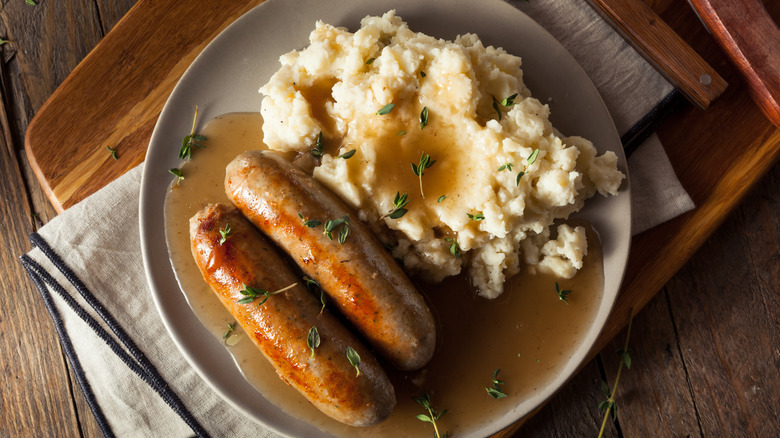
(663, 48)
(752, 40)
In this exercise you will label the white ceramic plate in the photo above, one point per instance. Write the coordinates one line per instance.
(225, 78)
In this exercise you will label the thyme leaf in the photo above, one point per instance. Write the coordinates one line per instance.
(313, 339)
(310, 223)
(385, 109)
(231, 327)
(424, 118)
(347, 155)
(454, 247)
(177, 173)
(354, 359)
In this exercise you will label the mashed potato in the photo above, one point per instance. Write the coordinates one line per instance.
(500, 174)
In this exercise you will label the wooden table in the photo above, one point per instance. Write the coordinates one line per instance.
(706, 349)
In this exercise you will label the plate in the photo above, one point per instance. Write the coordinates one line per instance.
(225, 77)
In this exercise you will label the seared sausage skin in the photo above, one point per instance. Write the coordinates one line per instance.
(364, 281)
(280, 326)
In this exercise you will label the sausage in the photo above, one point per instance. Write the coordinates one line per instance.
(365, 282)
(280, 326)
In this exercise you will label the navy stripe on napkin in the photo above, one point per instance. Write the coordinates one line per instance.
(121, 343)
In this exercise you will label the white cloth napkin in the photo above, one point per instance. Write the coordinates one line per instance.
(87, 261)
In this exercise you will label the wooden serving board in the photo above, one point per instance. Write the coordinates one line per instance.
(113, 98)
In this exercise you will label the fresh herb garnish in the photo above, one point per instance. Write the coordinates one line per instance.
(432, 417)
(441, 198)
(507, 166)
(31, 2)
(419, 169)
(317, 150)
(177, 173)
(454, 247)
(422, 73)
(313, 339)
(424, 117)
(495, 390)
(385, 109)
(231, 327)
(497, 109)
(476, 217)
(347, 155)
(519, 175)
(401, 133)
(251, 293)
(509, 101)
(311, 223)
(113, 153)
(608, 405)
(370, 61)
(331, 225)
(532, 157)
(398, 209)
(354, 359)
(225, 233)
(562, 294)
(185, 152)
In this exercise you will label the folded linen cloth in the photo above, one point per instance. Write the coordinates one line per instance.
(90, 273)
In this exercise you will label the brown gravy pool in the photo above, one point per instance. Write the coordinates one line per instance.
(526, 332)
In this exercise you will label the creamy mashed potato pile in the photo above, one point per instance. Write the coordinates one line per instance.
(497, 182)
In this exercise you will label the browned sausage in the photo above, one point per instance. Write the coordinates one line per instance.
(368, 287)
(280, 326)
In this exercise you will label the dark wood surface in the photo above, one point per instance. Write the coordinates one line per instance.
(706, 349)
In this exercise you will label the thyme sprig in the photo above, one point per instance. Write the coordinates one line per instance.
(454, 247)
(177, 173)
(251, 293)
(342, 224)
(495, 390)
(432, 416)
(318, 150)
(185, 152)
(608, 405)
(225, 233)
(419, 169)
(113, 152)
(399, 204)
(231, 328)
(562, 294)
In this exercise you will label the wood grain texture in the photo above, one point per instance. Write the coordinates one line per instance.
(35, 395)
(751, 39)
(663, 48)
(137, 70)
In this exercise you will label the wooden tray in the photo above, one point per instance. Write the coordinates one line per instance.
(112, 99)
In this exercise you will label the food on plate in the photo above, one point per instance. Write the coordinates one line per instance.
(440, 141)
(309, 348)
(337, 250)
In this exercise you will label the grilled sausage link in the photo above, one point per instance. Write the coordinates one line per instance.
(280, 325)
(367, 285)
